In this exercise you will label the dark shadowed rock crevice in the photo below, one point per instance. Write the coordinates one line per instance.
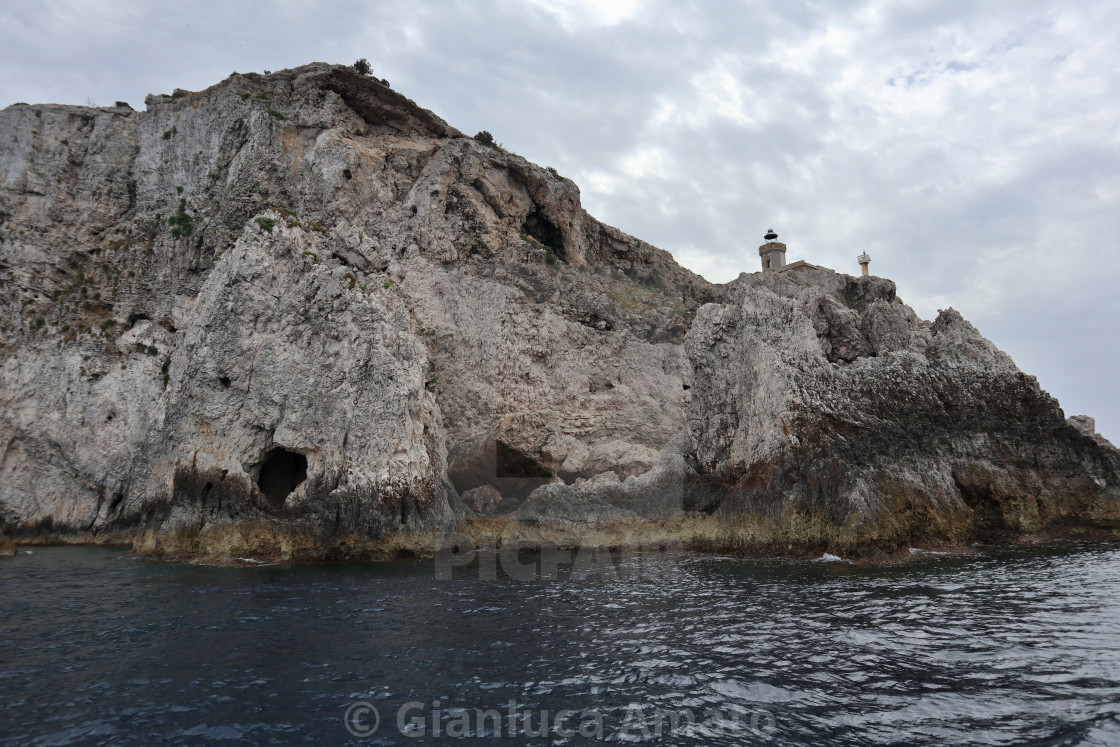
(282, 472)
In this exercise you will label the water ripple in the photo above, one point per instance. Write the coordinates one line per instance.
(1010, 646)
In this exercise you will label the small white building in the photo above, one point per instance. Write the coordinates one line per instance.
(773, 253)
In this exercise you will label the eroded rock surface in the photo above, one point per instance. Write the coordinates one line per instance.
(834, 417)
(299, 305)
(297, 314)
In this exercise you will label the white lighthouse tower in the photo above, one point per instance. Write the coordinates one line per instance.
(773, 253)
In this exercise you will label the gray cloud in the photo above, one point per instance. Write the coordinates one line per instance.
(972, 148)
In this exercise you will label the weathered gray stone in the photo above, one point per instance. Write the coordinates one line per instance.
(670, 489)
(1083, 423)
(297, 314)
(345, 280)
(834, 415)
(483, 500)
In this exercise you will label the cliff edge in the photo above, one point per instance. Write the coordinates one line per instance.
(297, 315)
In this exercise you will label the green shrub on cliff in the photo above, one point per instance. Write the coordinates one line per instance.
(181, 223)
(487, 139)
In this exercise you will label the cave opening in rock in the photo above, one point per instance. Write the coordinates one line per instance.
(544, 231)
(511, 462)
(517, 474)
(281, 473)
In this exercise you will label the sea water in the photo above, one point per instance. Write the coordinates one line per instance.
(999, 646)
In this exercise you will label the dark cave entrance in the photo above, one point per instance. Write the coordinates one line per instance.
(517, 474)
(281, 473)
(511, 462)
(544, 231)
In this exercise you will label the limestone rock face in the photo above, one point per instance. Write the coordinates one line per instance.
(832, 415)
(670, 489)
(483, 500)
(285, 358)
(299, 305)
(296, 314)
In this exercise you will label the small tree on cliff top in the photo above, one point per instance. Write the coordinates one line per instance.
(362, 67)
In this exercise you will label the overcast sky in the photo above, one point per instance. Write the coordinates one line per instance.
(971, 147)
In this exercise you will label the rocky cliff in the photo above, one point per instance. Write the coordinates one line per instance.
(298, 315)
(300, 306)
(836, 419)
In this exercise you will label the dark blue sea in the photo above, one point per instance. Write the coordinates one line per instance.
(1004, 646)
